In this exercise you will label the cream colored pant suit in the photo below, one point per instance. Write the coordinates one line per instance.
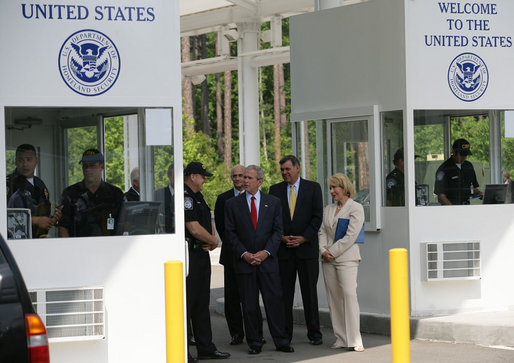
(341, 274)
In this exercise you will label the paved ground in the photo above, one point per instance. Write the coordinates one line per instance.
(378, 347)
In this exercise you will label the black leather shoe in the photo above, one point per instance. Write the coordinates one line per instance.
(236, 340)
(255, 350)
(285, 349)
(318, 341)
(191, 341)
(213, 355)
(263, 341)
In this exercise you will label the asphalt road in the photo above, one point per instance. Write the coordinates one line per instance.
(378, 347)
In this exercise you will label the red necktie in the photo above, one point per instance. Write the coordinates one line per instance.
(253, 212)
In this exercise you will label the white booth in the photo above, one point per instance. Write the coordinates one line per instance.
(381, 75)
(104, 76)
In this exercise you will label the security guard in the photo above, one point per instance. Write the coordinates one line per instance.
(201, 239)
(92, 206)
(395, 182)
(25, 190)
(456, 180)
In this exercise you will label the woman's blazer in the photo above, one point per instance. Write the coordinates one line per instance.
(343, 249)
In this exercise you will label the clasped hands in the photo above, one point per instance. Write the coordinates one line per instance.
(327, 256)
(255, 259)
(293, 241)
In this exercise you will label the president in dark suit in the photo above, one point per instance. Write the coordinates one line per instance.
(253, 228)
(302, 214)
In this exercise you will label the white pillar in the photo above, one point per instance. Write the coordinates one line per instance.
(249, 140)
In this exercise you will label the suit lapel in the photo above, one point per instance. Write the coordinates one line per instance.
(263, 209)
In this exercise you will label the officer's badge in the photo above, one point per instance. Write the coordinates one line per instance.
(188, 203)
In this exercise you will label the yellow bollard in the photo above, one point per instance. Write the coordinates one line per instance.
(174, 302)
(399, 292)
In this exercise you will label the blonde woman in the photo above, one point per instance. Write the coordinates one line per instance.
(341, 260)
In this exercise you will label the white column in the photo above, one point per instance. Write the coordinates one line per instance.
(249, 139)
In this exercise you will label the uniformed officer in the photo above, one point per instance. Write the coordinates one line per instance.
(201, 239)
(456, 180)
(25, 190)
(395, 181)
(92, 206)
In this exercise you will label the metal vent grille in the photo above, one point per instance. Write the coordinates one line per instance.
(451, 261)
(71, 314)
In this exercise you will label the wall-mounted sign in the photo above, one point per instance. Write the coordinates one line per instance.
(461, 52)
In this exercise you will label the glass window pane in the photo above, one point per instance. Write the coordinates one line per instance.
(393, 154)
(350, 156)
(81, 167)
(450, 178)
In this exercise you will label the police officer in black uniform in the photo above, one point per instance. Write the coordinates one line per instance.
(455, 180)
(25, 190)
(201, 239)
(92, 206)
(395, 182)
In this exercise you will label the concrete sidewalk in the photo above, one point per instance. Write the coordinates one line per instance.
(487, 329)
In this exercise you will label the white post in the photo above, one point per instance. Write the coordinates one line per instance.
(249, 140)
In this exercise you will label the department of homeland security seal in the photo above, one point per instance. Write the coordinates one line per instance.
(89, 62)
(468, 77)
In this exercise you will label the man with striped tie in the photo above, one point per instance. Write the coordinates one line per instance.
(302, 213)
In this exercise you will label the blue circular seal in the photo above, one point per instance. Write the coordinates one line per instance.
(89, 62)
(468, 77)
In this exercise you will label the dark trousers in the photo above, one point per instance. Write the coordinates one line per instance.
(233, 313)
(269, 285)
(308, 272)
(198, 285)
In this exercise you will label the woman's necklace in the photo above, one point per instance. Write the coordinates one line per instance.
(338, 208)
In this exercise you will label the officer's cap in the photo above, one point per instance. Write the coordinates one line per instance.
(462, 146)
(398, 155)
(92, 156)
(195, 167)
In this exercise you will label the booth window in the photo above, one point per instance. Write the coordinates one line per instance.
(487, 136)
(393, 159)
(350, 156)
(84, 172)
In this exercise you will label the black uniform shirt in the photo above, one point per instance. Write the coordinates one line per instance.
(22, 194)
(455, 182)
(395, 188)
(87, 214)
(196, 209)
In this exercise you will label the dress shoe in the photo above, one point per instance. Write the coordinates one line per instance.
(254, 350)
(191, 341)
(213, 355)
(236, 340)
(285, 349)
(317, 341)
(263, 341)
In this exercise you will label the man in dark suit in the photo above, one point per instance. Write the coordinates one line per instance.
(166, 196)
(132, 195)
(253, 227)
(233, 313)
(302, 213)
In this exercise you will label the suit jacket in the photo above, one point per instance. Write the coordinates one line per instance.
(219, 218)
(344, 249)
(306, 218)
(167, 200)
(242, 236)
